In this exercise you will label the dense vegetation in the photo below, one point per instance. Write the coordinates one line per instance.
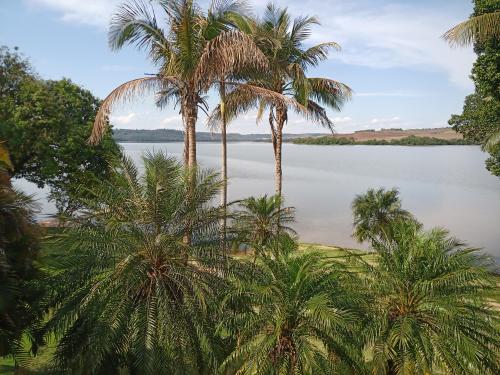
(139, 279)
(20, 287)
(480, 118)
(411, 140)
(45, 125)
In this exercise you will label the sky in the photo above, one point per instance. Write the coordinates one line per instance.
(402, 73)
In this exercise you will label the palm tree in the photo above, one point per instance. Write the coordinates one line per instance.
(300, 316)
(282, 41)
(431, 312)
(192, 53)
(259, 220)
(374, 211)
(130, 293)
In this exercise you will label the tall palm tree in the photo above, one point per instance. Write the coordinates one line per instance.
(282, 41)
(431, 312)
(374, 211)
(259, 220)
(300, 316)
(191, 53)
(130, 293)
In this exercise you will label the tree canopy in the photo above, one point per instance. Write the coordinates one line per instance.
(45, 126)
(480, 118)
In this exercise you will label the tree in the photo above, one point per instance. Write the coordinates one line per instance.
(130, 293)
(431, 310)
(282, 41)
(191, 54)
(259, 220)
(20, 289)
(375, 211)
(45, 125)
(480, 118)
(300, 315)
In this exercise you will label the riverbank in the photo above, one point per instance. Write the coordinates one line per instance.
(411, 140)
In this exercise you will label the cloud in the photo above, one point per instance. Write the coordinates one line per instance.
(380, 35)
(122, 120)
(391, 35)
(385, 120)
(87, 12)
(341, 120)
(171, 119)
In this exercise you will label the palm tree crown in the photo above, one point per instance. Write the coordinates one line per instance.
(431, 312)
(130, 293)
(374, 211)
(300, 318)
(259, 220)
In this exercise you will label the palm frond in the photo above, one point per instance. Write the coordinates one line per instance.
(492, 142)
(121, 94)
(475, 29)
(135, 22)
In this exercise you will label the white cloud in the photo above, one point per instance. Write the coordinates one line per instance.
(171, 119)
(376, 35)
(391, 36)
(341, 120)
(122, 120)
(385, 120)
(87, 12)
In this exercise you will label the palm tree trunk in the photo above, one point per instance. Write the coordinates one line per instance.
(186, 146)
(224, 168)
(281, 117)
(278, 173)
(191, 135)
(191, 112)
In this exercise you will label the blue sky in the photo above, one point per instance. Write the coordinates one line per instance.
(402, 73)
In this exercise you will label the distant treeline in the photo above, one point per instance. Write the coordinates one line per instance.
(170, 135)
(411, 140)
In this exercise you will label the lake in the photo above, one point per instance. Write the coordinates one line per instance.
(445, 186)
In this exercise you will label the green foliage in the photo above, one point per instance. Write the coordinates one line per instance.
(480, 117)
(45, 126)
(375, 211)
(20, 288)
(130, 293)
(299, 314)
(411, 140)
(259, 220)
(430, 310)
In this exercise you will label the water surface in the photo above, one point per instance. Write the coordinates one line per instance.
(441, 185)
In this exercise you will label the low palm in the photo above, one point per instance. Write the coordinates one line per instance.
(130, 294)
(374, 211)
(259, 220)
(431, 312)
(300, 317)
